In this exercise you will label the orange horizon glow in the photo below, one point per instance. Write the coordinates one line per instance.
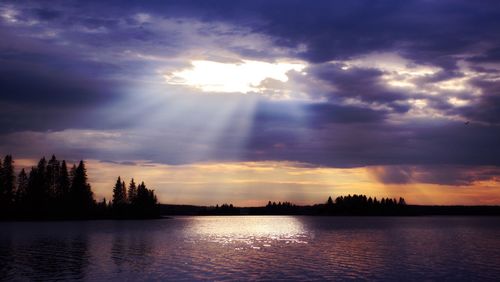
(256, 183)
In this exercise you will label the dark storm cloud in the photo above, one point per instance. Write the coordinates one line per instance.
(41, 97)
(323, 114)
(361, 83)
(369, 141)
(56, 90)
(423, 30)
(426, 31)
(46, 14)
(488, 108)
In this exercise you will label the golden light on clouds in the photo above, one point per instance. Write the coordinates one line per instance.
(255, 183)
(242, 77)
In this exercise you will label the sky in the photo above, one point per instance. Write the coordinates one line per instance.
(249, 101)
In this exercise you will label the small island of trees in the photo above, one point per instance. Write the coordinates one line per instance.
(52, 191)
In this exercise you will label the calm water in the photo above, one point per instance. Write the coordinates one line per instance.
(253, 247)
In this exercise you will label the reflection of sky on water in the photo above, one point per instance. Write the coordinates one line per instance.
(247, 231)
(254, 248)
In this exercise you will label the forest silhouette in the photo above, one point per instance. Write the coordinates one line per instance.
(52, 191)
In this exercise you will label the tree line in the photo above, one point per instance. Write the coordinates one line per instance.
(134, 201)
(342, 205)
(51, 190)
(363, 205)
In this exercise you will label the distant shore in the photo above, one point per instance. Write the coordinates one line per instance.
(322, 210)
(168, 210)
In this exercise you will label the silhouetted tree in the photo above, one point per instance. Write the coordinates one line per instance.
(64, 183)
(145, 197)
(402, 202)
(118, 195)
(132, 191)
(38, 193)
(72, 173)
(22, 186)
(361, 204)
(124, 187)
(80, 192)
(51, 192)
(8, 180)
(53, 171)
(145, 201)
(329, 201)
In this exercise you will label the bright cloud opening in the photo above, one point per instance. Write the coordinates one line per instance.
(242, 77)
(458, 102)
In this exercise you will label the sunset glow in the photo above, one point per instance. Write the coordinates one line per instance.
(246, 103)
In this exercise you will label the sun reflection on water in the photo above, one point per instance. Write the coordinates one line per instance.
(246, 232)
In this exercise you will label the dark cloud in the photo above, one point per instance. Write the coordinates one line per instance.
(487, 108)
(47, 14)
(491, 55)
(42, 97)
(429, 31)
(374, 142)
(57, 90)
(323, 114)
(359, 83)
(432, 174)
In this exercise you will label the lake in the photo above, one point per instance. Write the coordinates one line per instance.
(254, 248)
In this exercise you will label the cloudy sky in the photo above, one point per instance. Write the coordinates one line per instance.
(249, 101)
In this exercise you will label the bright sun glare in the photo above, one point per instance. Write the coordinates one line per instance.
(243, 77)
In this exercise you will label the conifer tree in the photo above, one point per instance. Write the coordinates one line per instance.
(8, 180)
(72, 173)
(53, 170)
(39, 184)
(63, 184)
(132, 191)
(118, 196)
(125, 196)
(329, 202)
(81, 193)
(22, 186)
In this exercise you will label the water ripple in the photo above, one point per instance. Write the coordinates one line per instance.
(254, 248)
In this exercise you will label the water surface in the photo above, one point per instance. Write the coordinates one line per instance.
(254, 247)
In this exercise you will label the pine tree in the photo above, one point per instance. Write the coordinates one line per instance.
(53, 170)
(329, 202)
(81, 193)
(72, 173)
(8, 180)
(22, 186)
(63, 184)
(39, 184)
(132, 191)
(124, 188)
(118, 196)
(145, 198)
(402, 202)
